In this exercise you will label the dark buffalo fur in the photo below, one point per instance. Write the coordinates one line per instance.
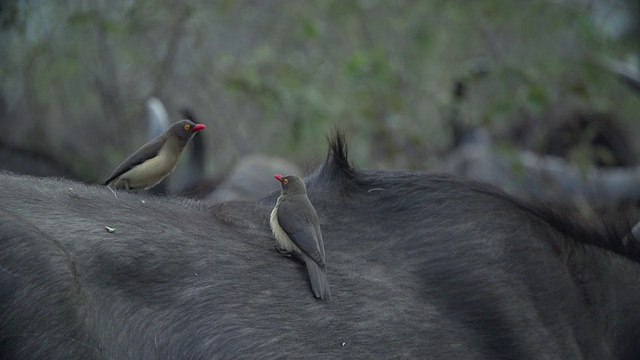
(420, 266)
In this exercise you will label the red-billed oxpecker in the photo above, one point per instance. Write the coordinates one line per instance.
(295, 225)
(154, 160)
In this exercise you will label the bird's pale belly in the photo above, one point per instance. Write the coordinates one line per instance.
(148, 174)
(281, 236)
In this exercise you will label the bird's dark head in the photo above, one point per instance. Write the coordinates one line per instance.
(185, 129)
(291, 184)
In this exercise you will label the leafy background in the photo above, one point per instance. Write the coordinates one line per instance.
(276, 76)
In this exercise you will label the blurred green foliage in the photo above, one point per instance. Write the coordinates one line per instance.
(276, 76)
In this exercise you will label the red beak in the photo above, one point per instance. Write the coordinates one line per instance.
(198, 127)
(278, 177)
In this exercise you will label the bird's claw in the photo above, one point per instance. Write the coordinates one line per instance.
(282, 250)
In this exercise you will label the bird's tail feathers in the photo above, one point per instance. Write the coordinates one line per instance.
(318, 278)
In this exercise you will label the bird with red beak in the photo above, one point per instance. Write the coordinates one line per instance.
(154, 160)
(295, 225)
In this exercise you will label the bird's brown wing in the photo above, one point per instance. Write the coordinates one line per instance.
(146, 152)
(299, 220)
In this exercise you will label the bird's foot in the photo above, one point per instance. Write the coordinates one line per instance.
(282, 250)
(112, 191)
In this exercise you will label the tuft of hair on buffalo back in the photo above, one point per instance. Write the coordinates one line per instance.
(336, 168)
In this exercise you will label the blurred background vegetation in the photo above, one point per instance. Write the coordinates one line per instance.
(275, 76)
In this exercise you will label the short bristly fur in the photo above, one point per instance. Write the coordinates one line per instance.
(421, 265)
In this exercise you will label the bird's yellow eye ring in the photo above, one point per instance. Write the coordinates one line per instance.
(187, 127)
(285, 181)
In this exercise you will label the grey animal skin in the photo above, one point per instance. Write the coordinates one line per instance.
(422, 266)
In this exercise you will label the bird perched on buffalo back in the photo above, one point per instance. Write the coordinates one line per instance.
(294, 223)
(154, 160)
